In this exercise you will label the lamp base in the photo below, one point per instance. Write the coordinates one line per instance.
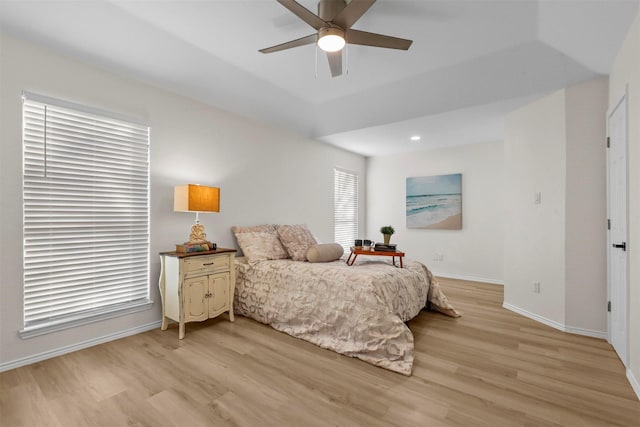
(197, 234)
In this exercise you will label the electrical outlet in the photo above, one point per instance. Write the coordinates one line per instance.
(435, 256)
(537, 198)
(441, 257)
(536, 287)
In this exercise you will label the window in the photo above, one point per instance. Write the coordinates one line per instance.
(86, 215)
(345, 207)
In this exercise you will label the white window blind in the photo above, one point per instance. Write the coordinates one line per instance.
(345, 207)
(86, 215)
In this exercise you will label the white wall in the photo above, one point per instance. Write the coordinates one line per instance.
(534, 233)
(586, 208)
(265, 175)
(626, 74)
(556, 146)
(476, 251)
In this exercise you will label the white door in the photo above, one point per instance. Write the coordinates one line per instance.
(617, 247)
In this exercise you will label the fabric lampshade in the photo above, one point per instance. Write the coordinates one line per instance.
(196, 198)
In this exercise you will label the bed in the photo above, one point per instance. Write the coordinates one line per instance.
(359, 311)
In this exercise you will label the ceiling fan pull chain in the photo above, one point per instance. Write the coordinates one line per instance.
(346, 59)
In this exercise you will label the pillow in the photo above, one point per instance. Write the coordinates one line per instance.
(325, 252)
(261, 246)
(259, 242)
(263, 228)
(296, 239)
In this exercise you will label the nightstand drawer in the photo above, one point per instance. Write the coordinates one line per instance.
(203, 264)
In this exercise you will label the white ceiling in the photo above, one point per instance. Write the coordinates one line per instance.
(471, 62)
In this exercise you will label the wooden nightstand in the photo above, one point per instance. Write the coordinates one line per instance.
(196, 286)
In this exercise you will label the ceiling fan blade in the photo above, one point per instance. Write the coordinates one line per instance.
(310, 39)
(352, 12)
(303, 13)
(335, 63)
(377, 40)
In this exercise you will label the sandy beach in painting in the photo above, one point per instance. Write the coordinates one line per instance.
(454, 222)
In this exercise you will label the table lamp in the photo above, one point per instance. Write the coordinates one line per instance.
(196, 198)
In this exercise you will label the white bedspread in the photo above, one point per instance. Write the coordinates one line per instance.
(358, 311)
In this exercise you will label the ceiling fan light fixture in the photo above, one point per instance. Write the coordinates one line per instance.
(331, 39)
(333, 25)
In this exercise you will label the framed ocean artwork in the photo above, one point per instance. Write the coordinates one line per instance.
(435, 202)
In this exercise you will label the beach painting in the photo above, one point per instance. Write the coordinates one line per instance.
(435, 202)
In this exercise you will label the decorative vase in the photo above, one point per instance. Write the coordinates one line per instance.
(387, 237)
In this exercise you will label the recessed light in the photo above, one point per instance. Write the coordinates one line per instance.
(415, 138)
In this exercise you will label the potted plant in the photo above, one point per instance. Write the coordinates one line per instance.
(387, 231)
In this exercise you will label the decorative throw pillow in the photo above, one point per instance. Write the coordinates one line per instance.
(325, 252)
(259, 242)
(296, 239)
(262, 228)
(260, 246)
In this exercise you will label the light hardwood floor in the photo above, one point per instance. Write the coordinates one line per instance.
(489, 368)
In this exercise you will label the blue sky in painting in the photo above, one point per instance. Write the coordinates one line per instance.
(439, 184)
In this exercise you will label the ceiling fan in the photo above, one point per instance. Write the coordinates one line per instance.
(333, 25)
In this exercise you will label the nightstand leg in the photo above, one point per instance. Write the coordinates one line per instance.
(181, 331)
(165, 323)
(231, 315)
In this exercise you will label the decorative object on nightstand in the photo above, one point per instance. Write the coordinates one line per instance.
(387, 231)
(196, 198)
(196, 286)
(187, 248)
